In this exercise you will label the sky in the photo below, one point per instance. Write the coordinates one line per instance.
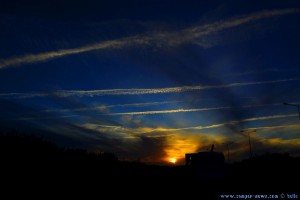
(151, 80)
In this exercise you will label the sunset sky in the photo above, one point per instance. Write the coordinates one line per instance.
(151, 80)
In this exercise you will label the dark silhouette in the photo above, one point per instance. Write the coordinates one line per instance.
(25, 156)
(212, 148)
(208, 166)
(227, 146)
(249, 141)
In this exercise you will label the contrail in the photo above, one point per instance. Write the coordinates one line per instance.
(102, 107)
(42, 118)
(225, 123)
(144, 130)
(190, 110)
(162, 129)
(239, 121)
(34, 58)
(137, 91)
(290, 126)
(159, 39)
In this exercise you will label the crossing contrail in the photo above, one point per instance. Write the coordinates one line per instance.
(175, 38)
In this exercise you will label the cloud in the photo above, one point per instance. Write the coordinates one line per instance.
(280, 141)
(42, 117)
(148, 130)
(212, 126)
(103, 108)
(279, 145)
(283, 127)
(234, 122)
(34, 58)
(166, 143)
(127, 118)
(196, 32)
(154, 112)
(239, 148)
(126, 130)
(168, 39)
(138, 91)
(159, 144)
(124, 142)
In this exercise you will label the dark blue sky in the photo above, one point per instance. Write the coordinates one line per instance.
(152, 80)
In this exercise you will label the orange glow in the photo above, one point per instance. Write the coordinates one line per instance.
(173, 160)
(180, 144)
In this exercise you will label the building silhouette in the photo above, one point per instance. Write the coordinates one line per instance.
(207, 165)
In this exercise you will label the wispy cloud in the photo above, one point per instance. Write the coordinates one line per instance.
(189, 35)
(147, 130)
(105, 107)
(125, 130)
(212, 126)
(34, 118)
(138, 91)
(197, 32)
(285, 127)
(233, 122)
(180, 141)
(154, 112)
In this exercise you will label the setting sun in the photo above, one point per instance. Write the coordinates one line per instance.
(179, 145)
(173, 160)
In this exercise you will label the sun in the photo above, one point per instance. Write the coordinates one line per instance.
(173, 160)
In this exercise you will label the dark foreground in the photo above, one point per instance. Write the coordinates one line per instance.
(34, 164)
